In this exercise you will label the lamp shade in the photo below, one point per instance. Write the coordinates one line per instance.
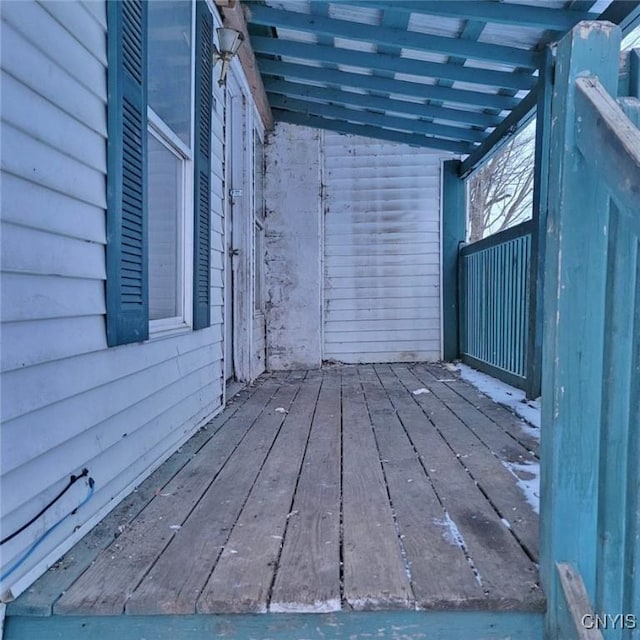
(229, 40)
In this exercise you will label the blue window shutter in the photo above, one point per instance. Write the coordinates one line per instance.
(127, 282)
(202, 178)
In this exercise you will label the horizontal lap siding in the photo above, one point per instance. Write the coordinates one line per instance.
(69, 402)
(381, 251)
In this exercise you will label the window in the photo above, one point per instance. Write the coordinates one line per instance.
(169, 162)
(158, 167)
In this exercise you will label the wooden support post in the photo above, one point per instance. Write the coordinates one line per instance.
(540, 186)
(453, 233)
(574, 303)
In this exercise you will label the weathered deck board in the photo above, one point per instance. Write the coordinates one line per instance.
(501, 416)
(508, 576)
(348, 501)
(109, 582)
(176, 580)
(488, 470)
(499, 441)
(242, 578)
(374, 570)
(308, 578)
(440, 574)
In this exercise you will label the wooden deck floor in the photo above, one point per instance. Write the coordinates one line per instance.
(318, 491)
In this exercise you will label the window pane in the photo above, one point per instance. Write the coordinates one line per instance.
(169, 60)
(164, 231)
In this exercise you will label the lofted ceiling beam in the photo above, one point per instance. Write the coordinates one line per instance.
(408, 125)
(539, 17)
(372, 132)
(348, 99)
(387, 85)
(386, 62)
(309, 23)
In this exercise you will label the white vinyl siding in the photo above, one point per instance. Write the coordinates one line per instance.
(381, 251)
(69, 402)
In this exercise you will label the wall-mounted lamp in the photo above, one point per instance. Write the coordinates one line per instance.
(229, 41)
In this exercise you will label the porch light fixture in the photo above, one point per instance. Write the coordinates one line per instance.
(229, 41)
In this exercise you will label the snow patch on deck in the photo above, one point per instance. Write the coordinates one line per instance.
(319, 606)
(527, 475)
(451, 532)
(505, 394)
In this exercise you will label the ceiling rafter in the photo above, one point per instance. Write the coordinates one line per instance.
(346, 98)
(290, 70)
(366, 117)
(386, 62)
(311, 23)
(340, 126)
(539, 17)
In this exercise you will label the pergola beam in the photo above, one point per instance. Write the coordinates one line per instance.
(539, 17)
(386, 62)
(350, 99)
(386, 85)
(378, 35)
(408, 125)
(415, 140)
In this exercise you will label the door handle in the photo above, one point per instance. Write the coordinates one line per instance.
(233, 252)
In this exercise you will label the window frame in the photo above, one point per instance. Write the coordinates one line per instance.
(156, 126)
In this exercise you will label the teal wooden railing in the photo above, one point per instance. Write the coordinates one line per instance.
(590, 449)
(494, 303)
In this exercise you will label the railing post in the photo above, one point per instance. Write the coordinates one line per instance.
(574, 312)
(540, 188)
(453, 233)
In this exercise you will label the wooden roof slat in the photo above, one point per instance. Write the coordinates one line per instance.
(372, 132)
(386, 62)
(366, 117)
(536, 16)
(348, 98)
(395, 37)
(373, 83)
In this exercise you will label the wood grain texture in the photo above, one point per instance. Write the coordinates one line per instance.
(508, 577)
(306, 471)
(242, 577)
(440, 575)
(176, 580)
(463, 429)
(374, 570)
(106, 586)
(308, 577)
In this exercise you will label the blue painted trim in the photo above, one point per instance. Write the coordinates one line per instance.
(290, 70)
(348, 98)
(262, 15)
(386, 62)
(574, 312)
(382, 625)
(516, 120)
(517, 231)
(515, 14)
(454, 215)
(540, 185)
(202, 168)
(369, 131)
(127, 286)
(409, 125)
